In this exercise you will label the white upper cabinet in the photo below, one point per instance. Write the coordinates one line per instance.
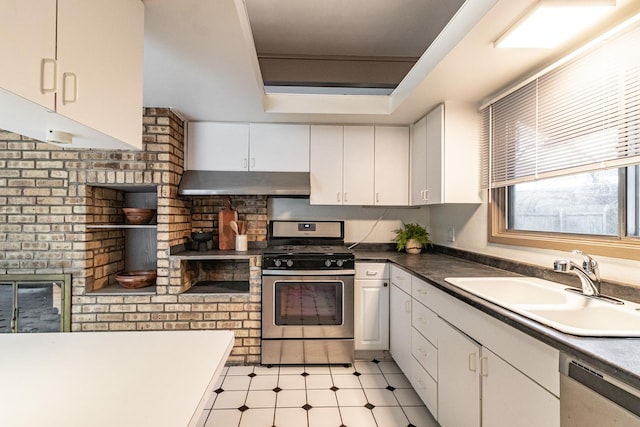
(326, 157)
(342, 165)
(358, 165)
(391, 165)
(32, 54)
(445, 162)
(73, 62)
(220, 146)
(278, 148)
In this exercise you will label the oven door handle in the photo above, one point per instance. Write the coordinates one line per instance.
(308, 272)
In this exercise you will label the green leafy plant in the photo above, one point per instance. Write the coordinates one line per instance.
(411, 231)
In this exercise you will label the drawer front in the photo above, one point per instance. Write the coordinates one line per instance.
(425, 353)
(425, 321)
(372, 270)
(421, 291)
(426, 387)
(401, 279)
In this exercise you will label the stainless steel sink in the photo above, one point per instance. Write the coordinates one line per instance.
(552, 305)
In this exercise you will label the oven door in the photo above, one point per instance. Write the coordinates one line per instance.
(307, 306)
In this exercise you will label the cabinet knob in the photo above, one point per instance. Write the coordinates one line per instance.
(385, 284)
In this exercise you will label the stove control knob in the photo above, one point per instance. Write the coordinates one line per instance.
(277, 263)
(327, 263)
(339, 263)
(289, 263)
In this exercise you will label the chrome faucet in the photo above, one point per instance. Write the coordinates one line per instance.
(589, 273)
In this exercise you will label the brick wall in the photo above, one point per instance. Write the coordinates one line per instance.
(47, 196)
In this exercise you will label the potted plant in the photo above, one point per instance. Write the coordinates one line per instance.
(411, 237)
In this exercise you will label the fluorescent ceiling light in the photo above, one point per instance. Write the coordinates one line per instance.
(552, 22)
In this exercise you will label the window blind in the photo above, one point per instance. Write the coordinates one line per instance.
(581, 116)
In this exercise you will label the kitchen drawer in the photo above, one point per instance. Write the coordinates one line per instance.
(372, 270)
(401, 279)
(421, 291)
(425, 353)
(426, 387)
(425, 321)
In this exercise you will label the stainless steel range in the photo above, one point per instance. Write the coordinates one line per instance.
(307, 294)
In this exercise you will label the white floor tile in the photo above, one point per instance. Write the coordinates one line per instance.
(239, 382)
(257, 418)
(230, 400)
(223, 417)
(264, 370)
(366, 367)
(351, 397)
(203, 418)
(210, 400)
(357, 417)
(291, 382)
(390, 416)
(346, 381)
(321, 370)
(261, 399)
(381, 397)
(291, 399)
(319, 382)
(321, 398)
(373, 381)
(324, 417)
(408, 397)
(291, 370)
(264, 382)
(240, 370)
(397, 380)
(290, 417)
(420, 416)
(342, 370)
(389, 367)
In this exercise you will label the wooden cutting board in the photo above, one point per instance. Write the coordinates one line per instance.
(226, 236)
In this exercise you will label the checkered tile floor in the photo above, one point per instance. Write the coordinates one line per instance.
(368, 394)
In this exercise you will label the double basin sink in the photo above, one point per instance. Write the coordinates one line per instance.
(556, 305)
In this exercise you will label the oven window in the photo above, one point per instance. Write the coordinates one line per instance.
(308, 303)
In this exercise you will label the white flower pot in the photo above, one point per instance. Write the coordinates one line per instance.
(413, 246)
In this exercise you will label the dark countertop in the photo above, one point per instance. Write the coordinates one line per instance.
(619, 357)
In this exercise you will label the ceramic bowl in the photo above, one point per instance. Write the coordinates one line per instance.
(135, 279)
(138, 216)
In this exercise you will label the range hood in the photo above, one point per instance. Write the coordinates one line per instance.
(203, 183)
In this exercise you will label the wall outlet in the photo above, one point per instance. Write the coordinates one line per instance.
(451, 234)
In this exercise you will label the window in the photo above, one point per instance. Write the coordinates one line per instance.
(561, 154)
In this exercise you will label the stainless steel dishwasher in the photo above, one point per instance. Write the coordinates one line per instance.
(590, 398)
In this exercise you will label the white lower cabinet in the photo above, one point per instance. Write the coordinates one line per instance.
(509, 398)
(469, 368)
(371, 311)
(400, 329)
(458, 369)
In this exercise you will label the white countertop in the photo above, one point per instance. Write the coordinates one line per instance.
(147, 378)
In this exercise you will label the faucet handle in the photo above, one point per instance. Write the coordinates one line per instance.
(589, 264)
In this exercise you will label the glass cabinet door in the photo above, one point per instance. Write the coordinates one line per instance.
(38, 307)
(6, 307)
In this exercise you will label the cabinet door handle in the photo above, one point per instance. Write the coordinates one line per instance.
(345, 196)
(426, 195)
(484, 367)
(74, 78)
(423, 352)
(421, 291)
(43, 68)
(377, 197)
(407, 306)
(372, 273)
(244, 163)
(253, 163)
(422, 384)
(472, 362)
(338, 197)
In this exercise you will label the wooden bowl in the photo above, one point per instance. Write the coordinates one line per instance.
(136, 279)
(138, 216)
